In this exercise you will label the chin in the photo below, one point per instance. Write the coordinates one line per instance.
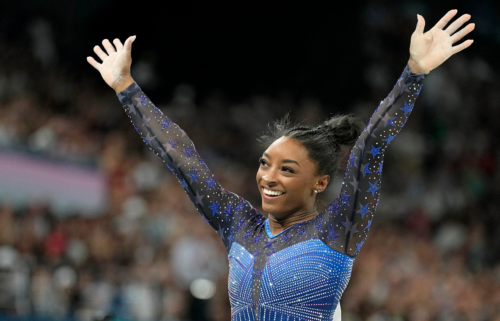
(276, 211)
(269, 209)
(266, 208)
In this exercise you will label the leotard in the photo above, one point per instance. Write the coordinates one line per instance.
(300, 273)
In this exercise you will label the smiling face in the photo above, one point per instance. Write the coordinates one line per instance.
(287, 178)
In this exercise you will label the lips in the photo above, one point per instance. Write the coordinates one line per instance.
(271, 193)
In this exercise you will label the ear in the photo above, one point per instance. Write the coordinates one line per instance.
(322, 183)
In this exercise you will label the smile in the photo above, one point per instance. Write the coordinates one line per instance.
(272, 193)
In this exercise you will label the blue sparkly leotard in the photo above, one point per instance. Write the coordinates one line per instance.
(300, 273)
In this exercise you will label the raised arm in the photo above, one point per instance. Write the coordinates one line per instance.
(351, 214)
(223, 210)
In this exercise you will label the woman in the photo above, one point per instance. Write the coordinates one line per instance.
(296, 263)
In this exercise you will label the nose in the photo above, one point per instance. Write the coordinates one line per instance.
(270, 177)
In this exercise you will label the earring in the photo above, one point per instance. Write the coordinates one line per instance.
(315, 191)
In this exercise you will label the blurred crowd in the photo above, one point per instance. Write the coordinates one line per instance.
(433, 253)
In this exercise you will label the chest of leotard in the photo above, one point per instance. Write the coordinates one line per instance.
(290, 276)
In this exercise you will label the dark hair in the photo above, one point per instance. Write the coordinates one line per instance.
(325, 143)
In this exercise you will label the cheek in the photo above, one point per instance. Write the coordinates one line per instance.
(295, 187)
(300, 188)
(258, 176)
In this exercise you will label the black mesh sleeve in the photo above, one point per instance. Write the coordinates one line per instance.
(348, 218)
(225, 211)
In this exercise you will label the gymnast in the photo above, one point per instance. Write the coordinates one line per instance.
(291, 262)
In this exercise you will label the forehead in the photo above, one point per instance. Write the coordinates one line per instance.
(288, 148)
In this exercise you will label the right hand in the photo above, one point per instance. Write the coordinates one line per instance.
(115, 66)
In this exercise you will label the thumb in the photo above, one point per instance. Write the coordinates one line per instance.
(419, 30)
(128, 43)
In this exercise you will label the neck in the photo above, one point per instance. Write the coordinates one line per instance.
(278, 225)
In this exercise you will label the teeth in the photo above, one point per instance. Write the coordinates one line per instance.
(274, 193)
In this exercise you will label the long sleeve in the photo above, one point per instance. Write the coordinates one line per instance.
(226, 212)
(348, 218)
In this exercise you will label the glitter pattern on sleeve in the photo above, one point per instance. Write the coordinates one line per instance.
(225, 211)
(351, 214)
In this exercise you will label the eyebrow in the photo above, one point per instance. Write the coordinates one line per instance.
(284, 161)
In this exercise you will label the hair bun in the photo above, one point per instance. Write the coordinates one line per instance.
(343, 129)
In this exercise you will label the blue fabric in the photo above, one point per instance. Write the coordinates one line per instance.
(330, 241)
(303, 282)
(240, 282)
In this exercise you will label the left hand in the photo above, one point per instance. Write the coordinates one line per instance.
(429, 50)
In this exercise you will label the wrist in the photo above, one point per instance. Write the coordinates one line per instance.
(122, 83)
(415, 68)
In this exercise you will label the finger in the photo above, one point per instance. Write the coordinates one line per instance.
(420, 25)
(100, 53)
(128, 43)
(462, 46)
(444, 20)
(457, 24)
(108, 46)
(118, 44)
(462, 33)
(94, 63)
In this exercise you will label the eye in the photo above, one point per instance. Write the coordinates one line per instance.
(287, 169)
(262, 161)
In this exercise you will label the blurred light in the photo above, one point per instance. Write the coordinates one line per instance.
(77, 251)
(135, 207)
(65, 277)
(202, 289)
(8, 256)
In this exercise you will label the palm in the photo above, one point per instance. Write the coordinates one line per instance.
(116, 61)
(429, 50)
(112, 68)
